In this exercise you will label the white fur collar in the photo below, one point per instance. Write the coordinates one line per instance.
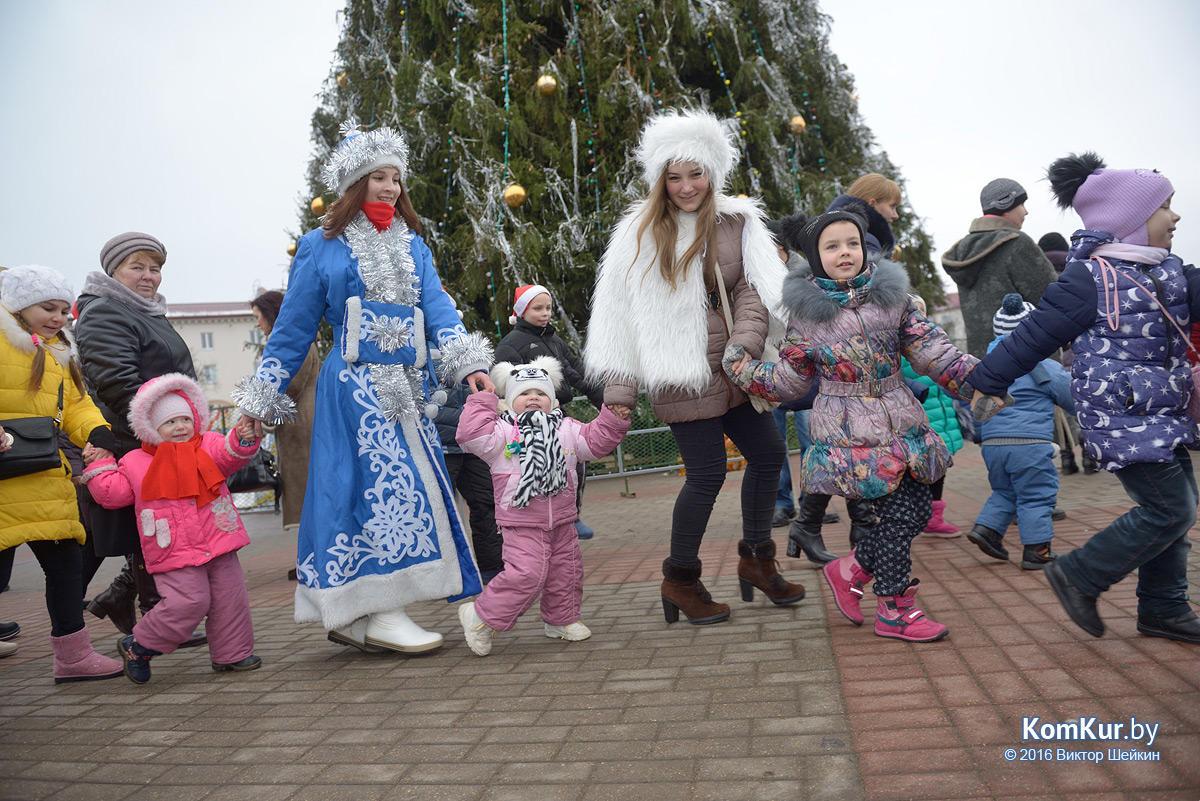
(21, 339)
(643, 332)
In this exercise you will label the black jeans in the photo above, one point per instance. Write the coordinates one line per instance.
(62, 562)
(701, 445)
(470, 475)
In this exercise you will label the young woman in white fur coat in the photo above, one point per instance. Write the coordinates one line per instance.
(657, 322)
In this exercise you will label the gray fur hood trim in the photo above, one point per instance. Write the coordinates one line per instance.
(805, 300)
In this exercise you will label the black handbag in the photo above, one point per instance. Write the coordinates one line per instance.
(34, 444)
(258, 475)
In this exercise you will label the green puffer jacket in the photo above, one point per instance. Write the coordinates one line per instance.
(939, 407)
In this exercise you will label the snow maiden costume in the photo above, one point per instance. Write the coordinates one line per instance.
(668, 337)
(379, 528)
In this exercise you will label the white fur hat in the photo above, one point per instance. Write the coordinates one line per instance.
(360, 154)
(689, 135)
(144, 411)
(22, 287)
(544, 373)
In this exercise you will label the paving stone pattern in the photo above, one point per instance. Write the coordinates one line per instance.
(780, 703)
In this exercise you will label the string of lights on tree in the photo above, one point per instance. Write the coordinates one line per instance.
(505, 106)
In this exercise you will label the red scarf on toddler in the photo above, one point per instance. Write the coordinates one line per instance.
(380, 215)
(181, 470)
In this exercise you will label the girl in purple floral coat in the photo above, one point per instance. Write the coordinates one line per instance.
(849, 323)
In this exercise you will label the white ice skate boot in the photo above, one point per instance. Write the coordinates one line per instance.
(396, 631)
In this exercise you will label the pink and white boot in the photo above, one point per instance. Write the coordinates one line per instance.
(899, 618)
(846, 578)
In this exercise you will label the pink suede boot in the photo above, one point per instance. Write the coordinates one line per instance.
(899, 618)
(846, 578)
(74, 659)
(938, 527)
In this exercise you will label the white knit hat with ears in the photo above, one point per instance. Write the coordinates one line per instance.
(688, 135)
(544, 373)
(361, 153)
(22, 287)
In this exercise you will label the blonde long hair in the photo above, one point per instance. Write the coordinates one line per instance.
(38, 368)
(661, 216)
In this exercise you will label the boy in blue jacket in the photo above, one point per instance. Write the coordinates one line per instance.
(1018, 449)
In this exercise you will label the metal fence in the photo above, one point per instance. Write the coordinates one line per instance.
(649, 447)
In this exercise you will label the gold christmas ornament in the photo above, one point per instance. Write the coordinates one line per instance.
(342, 79)
(897, 255)
(547, 86)
(743, 196)
(514, 195)
(797, 124)
(317, 205)
(291, 249)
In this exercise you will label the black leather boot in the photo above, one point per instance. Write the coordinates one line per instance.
(116, 602)
(805, 534)
(862, 518)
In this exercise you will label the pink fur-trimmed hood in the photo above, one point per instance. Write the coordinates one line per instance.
(156, 388)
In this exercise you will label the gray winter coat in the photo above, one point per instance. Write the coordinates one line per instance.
(995, 258)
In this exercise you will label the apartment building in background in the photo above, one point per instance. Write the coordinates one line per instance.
(222, 338)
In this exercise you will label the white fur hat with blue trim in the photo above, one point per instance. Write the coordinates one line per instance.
(688, 135)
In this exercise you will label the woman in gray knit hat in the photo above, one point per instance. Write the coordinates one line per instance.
(124, 340)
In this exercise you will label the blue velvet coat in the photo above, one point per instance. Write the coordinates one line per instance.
(379, 528)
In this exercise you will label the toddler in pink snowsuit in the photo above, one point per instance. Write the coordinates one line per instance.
(532, 451)
(191, 532)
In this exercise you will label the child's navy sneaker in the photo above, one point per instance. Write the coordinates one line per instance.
(136, 659)
(251, 662)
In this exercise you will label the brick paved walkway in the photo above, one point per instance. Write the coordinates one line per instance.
(790, 703)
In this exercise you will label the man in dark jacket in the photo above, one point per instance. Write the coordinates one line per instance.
(994, 259)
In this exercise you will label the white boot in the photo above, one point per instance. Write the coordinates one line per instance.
(575, 632)
(395, 630)
(355, 635)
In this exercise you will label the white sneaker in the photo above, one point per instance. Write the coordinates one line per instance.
(396, 631)
(478, 633)
(576, 632)
(8, 649)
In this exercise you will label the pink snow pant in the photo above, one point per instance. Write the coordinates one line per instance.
(216, 589)
(535, 561)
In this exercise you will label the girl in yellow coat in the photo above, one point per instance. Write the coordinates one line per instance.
(37, 357)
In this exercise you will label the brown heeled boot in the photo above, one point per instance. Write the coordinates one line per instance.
(758, 568)
(682, 591)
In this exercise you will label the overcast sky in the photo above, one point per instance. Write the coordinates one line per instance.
(191, 120)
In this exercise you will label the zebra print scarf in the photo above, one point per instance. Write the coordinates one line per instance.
(543, 466)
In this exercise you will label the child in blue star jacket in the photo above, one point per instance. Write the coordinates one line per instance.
(1125, 304)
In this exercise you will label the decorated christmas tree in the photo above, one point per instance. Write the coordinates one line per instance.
(522, 117)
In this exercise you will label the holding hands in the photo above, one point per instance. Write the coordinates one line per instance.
(248, 429)
(985, 407)
(6, 440)
(480, 382)
(620, 410)
(91, 454)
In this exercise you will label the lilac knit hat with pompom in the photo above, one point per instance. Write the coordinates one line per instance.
(1121, 201)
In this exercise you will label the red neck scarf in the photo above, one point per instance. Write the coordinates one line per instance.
(380, 215)
(181, 470)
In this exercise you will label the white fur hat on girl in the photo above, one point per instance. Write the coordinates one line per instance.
(544, 373)
(361, 153)
(160, 399)
(522, 297)
(22, 287)
(688, 135)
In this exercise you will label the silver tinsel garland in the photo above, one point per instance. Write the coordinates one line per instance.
(460, 355)
(262, 400)
(360, 152)
(385, 261)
